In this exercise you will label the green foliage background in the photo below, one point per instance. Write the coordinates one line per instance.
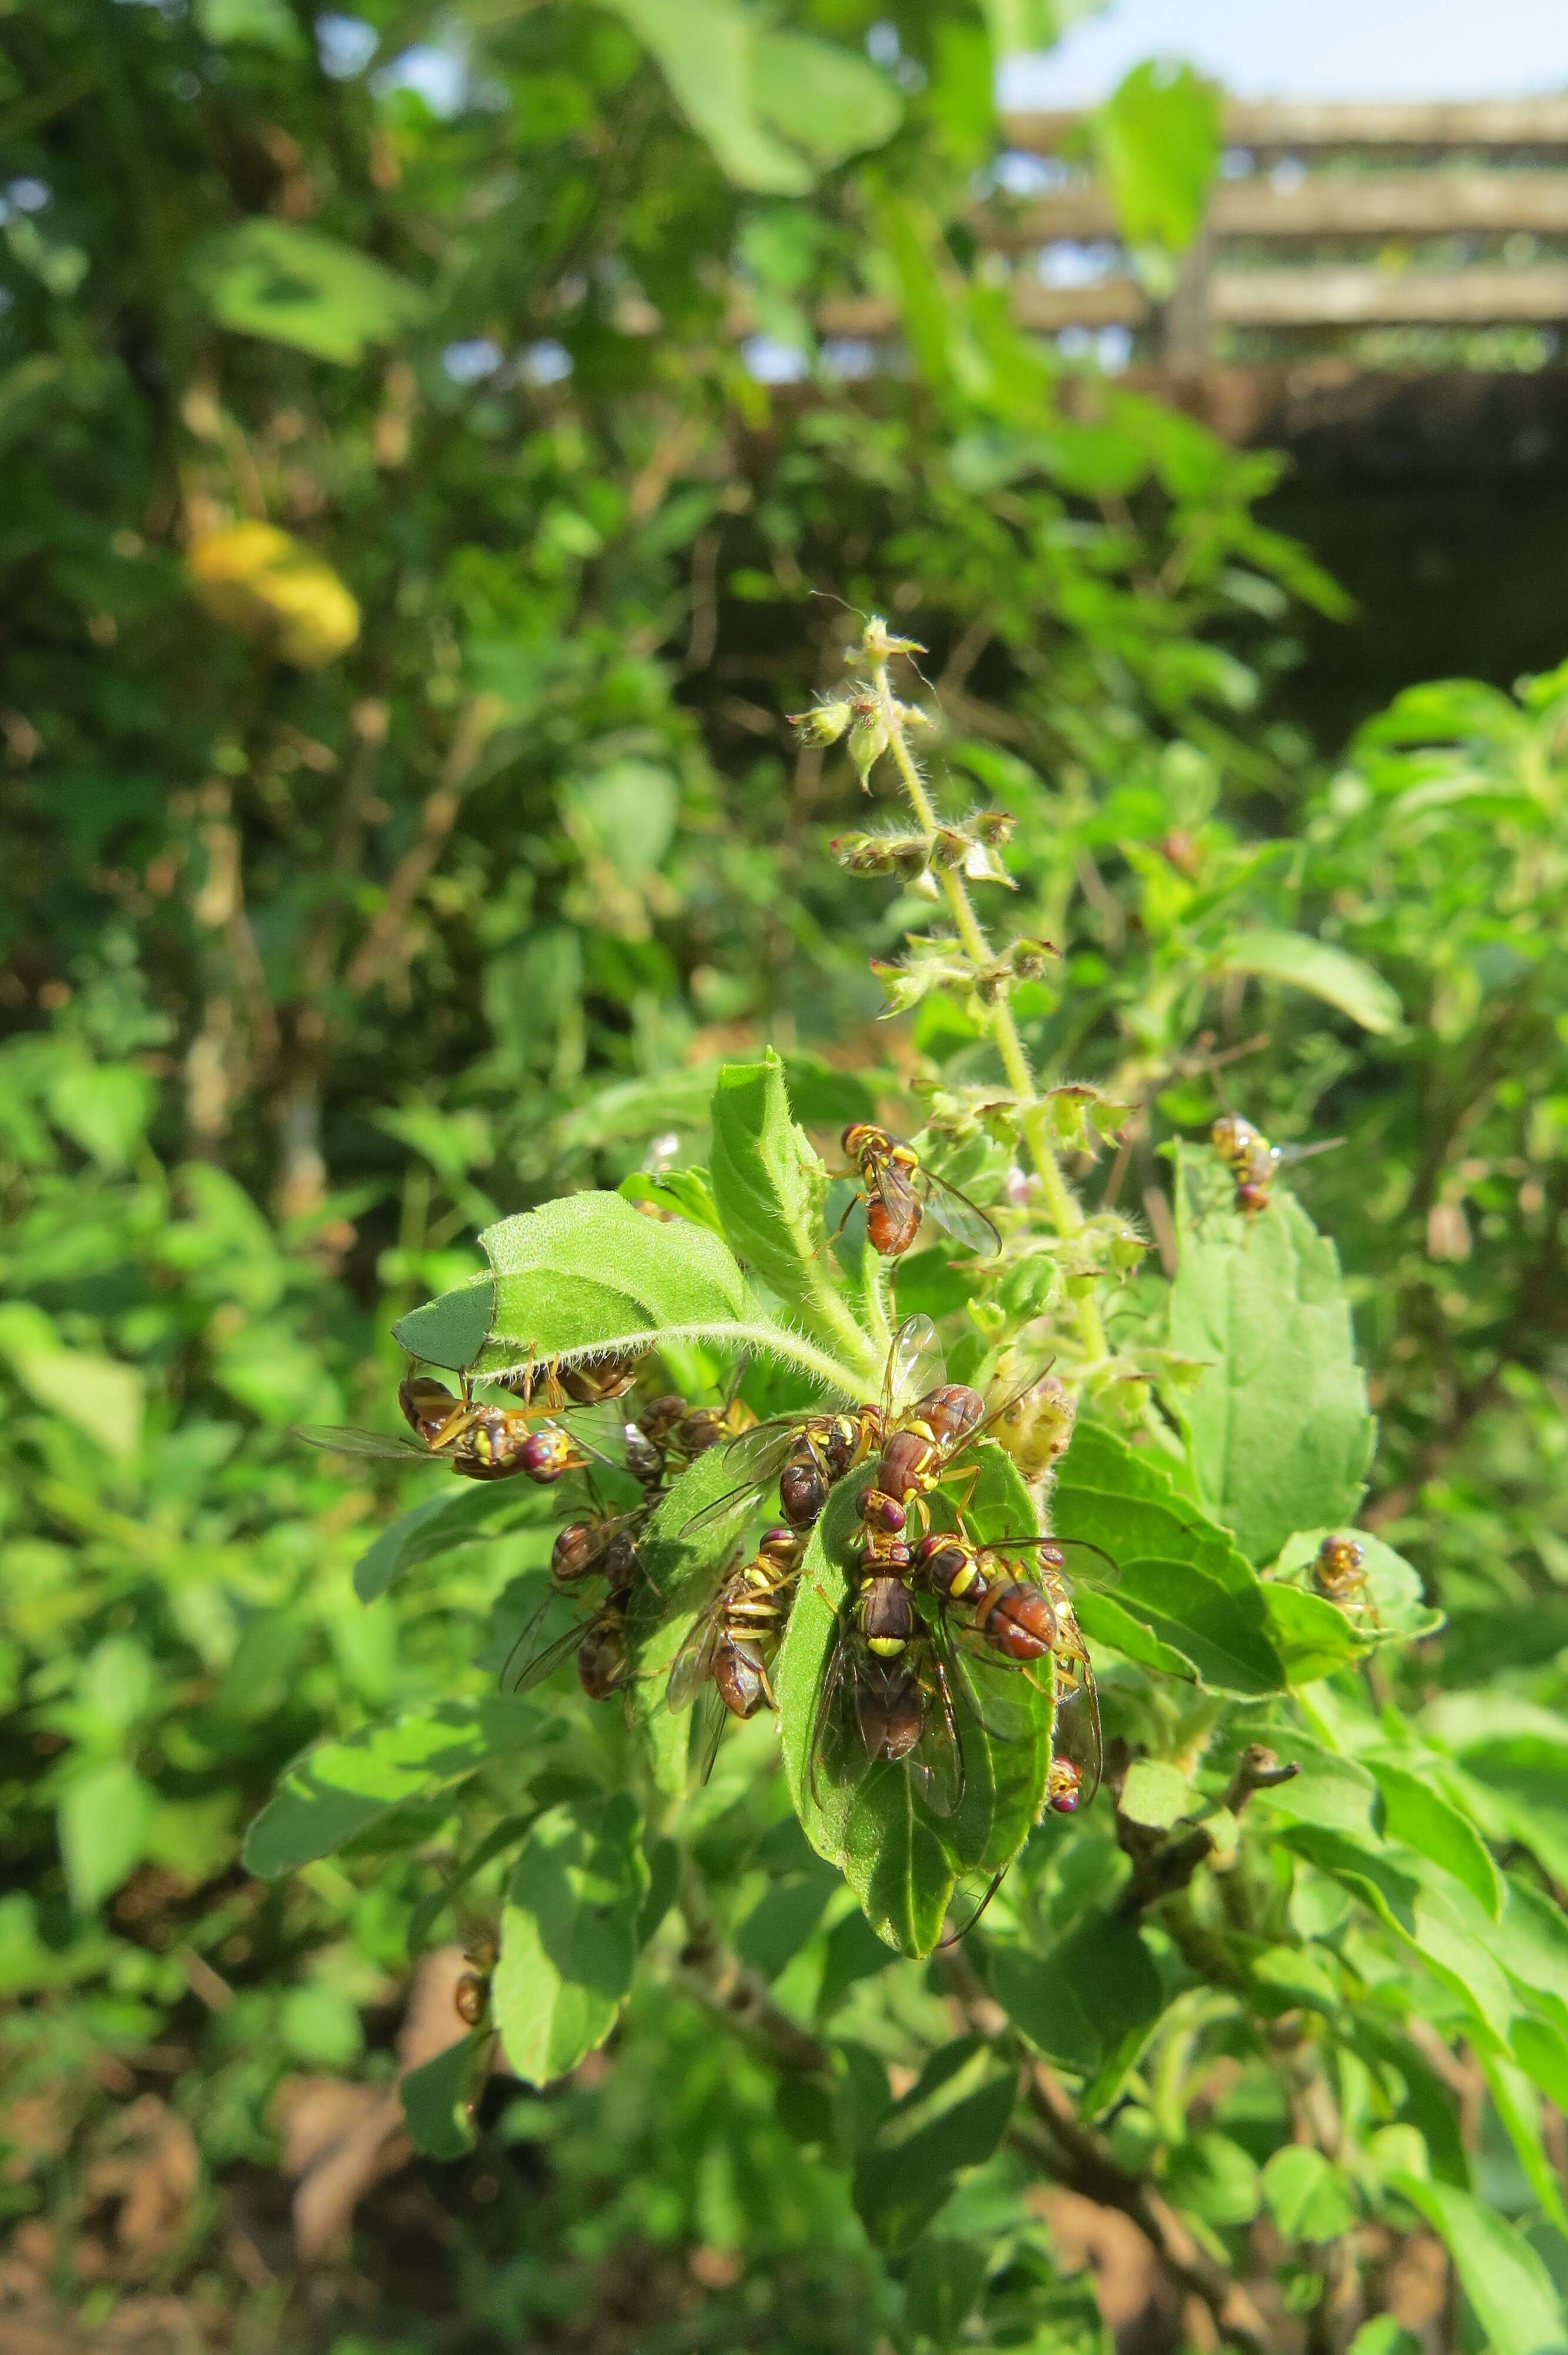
(318, 957)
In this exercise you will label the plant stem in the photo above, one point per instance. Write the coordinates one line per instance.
(1065, 1214)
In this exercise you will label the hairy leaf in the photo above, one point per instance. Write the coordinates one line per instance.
(1278, 1426)
(768, 1185)
(569, 1934)
(1180, 1577)
(582, 1274)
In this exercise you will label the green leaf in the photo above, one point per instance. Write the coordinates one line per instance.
(568, 1935)
(1312, 1636)
(901, 1858)
(439, 2097)
(1418, 1814)
(707, 51)
(1213, 2177)
(1157, 141)
(1180, 1577)
(1088, 2002)
(105, 1816)
(462, 1515)
(950, 2120)
(1434, 1916)
(1302, 962)
(824, 97)
(1505, 2281)
(104, 1108)
(1308, 2197)
(293, 286)
(99, 1395)
(338, 1789)
(1384, 2336)
(584, 1274)
(1278, 1426)
(1518, 2105)
(941, 2285)
(1154, 1793)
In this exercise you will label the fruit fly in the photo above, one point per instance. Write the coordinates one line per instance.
(731, 1643)
(597, 1639)
(669, 1425)
(561, 1386)
(604, 1544)
(1252, 1162)
(1014, 1615)
(476, 1440)
(809, 1453)
(898, 1190)
(1339, 1573)
(880, 1707)
(923, 1447)
(1036, 1426)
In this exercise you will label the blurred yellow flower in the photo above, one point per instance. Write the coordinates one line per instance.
(266, 584)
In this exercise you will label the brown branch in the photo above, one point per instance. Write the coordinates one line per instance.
(721, 1982)
(1084, 2164)
(385, 945)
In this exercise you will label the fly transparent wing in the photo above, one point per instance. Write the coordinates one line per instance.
(914, 1366)
(963, 1219)
(935, 1764)
(757, 1456)
(540, 1660)
(992, 1689)
(838, 1758)
(1076, 1734)
(1103, 1569)
(970, 1899)
(1288, 1154)
(714, 1717)
(598, 1430)
(339, 1440)
(694, 1663)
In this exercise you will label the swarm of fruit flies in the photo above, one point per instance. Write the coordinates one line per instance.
(940, 1632)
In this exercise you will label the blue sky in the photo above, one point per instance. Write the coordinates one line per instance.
(1313, 48)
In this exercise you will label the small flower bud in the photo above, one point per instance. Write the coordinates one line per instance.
(1030, 958)
(879, 643)
(824, 723)
(867, 742)
(995, 827)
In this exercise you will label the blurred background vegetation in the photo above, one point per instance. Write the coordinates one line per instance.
(426, 489)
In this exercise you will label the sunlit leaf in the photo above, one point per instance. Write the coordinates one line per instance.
(570, 1934)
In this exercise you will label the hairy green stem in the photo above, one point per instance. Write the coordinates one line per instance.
(1065, 1214)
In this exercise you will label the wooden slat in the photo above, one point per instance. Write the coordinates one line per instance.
(1109, 302)
(1489, 122)
(1373, 204)
(1356, 297)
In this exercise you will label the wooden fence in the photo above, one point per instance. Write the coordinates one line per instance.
(1372, 183)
